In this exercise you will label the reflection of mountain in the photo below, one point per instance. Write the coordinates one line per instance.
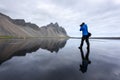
(19, 47)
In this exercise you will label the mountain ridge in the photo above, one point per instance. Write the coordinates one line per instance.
(21, 29)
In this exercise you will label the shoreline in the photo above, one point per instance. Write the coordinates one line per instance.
(97, 37)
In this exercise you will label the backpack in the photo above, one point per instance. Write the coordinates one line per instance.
(89, 34)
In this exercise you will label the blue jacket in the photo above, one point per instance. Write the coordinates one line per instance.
(84, 30)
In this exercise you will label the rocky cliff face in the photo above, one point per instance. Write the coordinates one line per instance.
(53, 30)
(21, 29)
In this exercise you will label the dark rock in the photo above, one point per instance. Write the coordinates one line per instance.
(19, 22)
(32, 25)
(25, 24)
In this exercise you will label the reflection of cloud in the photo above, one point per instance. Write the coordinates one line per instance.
(68, 13)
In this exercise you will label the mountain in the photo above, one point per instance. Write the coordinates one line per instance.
(21, 29)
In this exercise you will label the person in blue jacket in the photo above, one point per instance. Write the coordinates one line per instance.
(85, 34)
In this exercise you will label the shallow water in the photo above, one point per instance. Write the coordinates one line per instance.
(59, 59)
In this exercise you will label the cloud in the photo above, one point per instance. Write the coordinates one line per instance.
(100, 15)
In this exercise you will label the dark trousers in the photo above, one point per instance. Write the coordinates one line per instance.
(86, 38)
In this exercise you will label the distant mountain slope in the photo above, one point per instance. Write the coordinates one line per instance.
(21, 29)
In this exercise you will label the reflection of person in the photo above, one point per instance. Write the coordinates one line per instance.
(85, 34)
(85, 60)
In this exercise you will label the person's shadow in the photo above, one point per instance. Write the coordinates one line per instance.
(85, 60)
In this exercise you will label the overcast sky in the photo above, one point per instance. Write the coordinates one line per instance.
(101, 16)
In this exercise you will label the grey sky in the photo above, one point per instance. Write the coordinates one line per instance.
(102, 16)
